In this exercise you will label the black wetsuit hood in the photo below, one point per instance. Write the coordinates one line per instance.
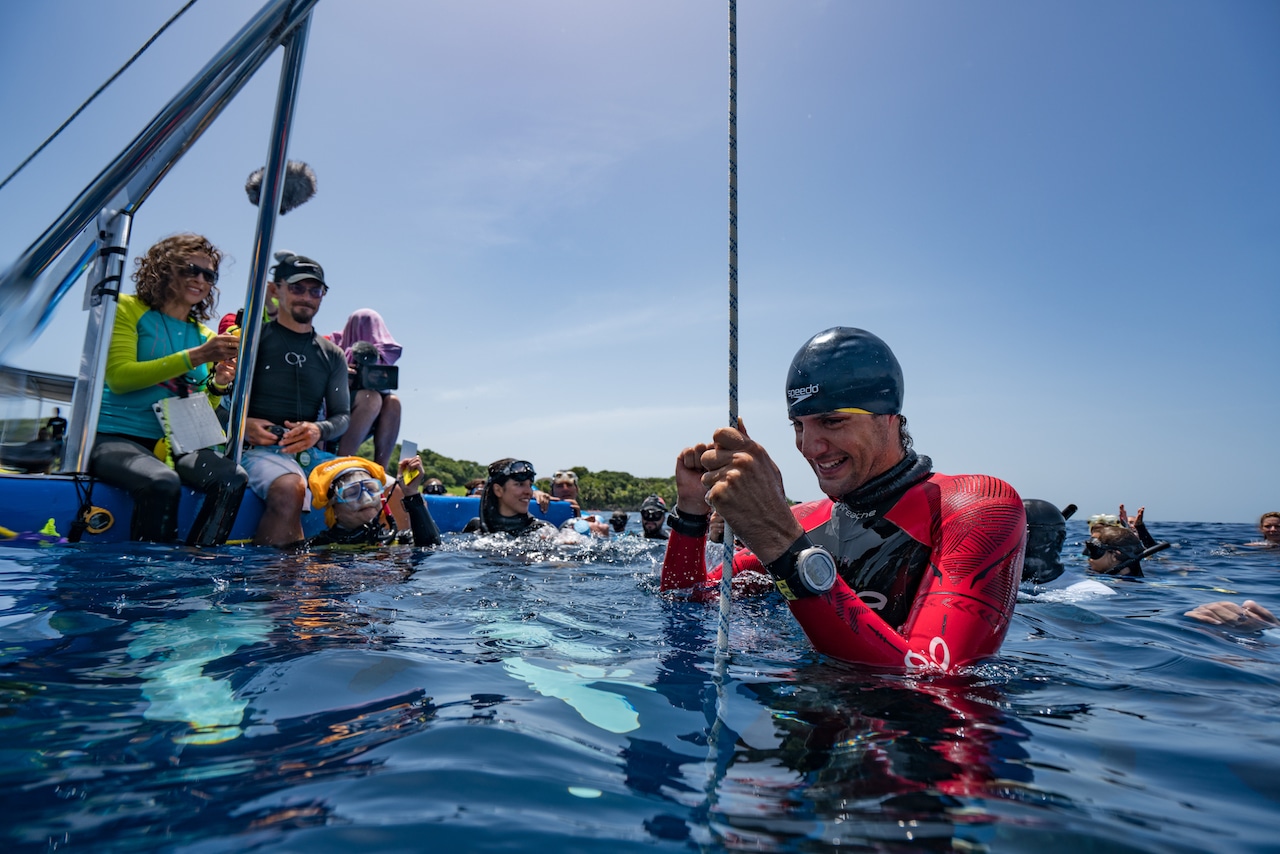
(887, 488)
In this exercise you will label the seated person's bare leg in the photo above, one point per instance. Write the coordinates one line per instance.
(281, 522)
(365, 406)
(386, 430)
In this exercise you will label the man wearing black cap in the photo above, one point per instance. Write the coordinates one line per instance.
(899, 567)
(297, 371)
(652, 511)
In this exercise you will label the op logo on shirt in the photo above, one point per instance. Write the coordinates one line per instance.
(295, 359)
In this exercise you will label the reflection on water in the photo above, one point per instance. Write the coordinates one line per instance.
(483, 699)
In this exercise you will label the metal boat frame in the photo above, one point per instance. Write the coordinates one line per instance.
(92, 236)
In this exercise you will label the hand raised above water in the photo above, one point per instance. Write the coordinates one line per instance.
(744, 485)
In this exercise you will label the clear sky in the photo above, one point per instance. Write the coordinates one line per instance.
(1063, 217)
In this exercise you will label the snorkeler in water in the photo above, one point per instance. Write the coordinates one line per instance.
(350, 491)
(1113, 550)
(1046, 532)
(504, 501)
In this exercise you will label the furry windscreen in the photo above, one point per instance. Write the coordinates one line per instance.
(299, 185)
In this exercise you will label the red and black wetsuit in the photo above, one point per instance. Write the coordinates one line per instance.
(928, 566)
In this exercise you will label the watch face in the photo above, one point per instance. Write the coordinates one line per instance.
(817, 569)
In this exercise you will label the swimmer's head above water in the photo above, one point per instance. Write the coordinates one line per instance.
(564, 485)
(349, 490)
(1046, 532)
(1112, 550)
(1269, 525)
(506, 491)
(844, 399)
(844, 369)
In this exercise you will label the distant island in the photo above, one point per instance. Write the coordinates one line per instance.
(599, 490)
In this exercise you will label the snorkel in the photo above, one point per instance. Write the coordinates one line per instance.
(1119, 569)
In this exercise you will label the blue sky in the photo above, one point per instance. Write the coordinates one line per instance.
(1061, 215)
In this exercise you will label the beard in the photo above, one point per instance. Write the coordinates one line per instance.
(303, 314)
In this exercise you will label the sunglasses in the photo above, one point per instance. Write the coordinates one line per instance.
(352, 492)
(194, 271)
(651, 515)
(316, 291)
(1095, 550)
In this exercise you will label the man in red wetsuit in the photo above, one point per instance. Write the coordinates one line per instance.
(899, 568)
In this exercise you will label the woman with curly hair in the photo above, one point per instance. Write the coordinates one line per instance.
(161, 349)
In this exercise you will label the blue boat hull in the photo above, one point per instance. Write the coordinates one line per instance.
(29, 502)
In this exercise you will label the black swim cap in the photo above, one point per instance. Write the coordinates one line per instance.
(1046, 531)
(844, 368)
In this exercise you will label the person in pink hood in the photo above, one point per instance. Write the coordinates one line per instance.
(367, 341)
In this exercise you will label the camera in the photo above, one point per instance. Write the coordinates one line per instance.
(368, 373)
(276, 430)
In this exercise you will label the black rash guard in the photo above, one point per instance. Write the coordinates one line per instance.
(929, 566)
(295, 373)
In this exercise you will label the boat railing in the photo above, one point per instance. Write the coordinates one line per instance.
(92, 233)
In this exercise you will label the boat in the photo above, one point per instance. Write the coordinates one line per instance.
(45, 490)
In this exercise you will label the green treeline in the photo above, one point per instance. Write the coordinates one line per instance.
(617, 490)
(601, 490)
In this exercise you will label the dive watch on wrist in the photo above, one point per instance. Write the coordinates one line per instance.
(803, 570)
(689, 524)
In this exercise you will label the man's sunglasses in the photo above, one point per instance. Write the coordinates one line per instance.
(651, 515)
(1095, 550)
(299, 288)
(192, 271)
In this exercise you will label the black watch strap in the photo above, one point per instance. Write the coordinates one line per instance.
(786, 573)
(689, 524)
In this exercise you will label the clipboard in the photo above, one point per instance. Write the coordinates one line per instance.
(189, 423)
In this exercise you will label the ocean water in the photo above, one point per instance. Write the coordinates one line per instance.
(478, 698)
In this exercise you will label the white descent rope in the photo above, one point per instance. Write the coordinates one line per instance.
(720, 741)
(726, 574)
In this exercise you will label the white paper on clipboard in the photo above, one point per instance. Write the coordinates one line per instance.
(189, 423)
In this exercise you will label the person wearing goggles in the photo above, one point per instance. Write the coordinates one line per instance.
(504, 503)
(1113, 550)
(564, 487)
(653, 511)
(351, 492)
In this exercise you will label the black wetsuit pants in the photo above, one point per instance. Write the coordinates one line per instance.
(126, 462)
